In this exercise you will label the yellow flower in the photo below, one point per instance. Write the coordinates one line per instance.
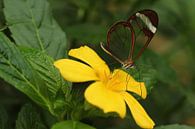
(109, 91)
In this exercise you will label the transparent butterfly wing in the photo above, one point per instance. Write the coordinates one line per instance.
(144, 24)
(120, 40)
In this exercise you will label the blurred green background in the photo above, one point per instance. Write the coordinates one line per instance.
(172, 99)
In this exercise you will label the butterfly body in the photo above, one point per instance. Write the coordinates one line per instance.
(128, 64)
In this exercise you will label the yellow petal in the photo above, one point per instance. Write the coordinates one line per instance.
(75, 71)
(130, 84)
(98, 95)
(90, 57)
(139, 114)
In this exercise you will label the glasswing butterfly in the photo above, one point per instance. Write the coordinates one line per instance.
(123, 37)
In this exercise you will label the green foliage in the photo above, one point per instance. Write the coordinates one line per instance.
(71, 125)
(28, 118)
(32, 25)
(32, 71)
(175, 126)
(30, 76)
(17, 71)
(43, 64)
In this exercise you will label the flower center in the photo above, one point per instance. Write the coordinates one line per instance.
(111, 81)
(114, 83)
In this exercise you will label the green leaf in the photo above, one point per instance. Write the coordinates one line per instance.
(3, 119)
(175, 126)
(71, 125)
(16, 70)
(32, 25)
(43, 64)
(28, 118)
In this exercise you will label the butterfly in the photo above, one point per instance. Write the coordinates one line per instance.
(123, 37)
